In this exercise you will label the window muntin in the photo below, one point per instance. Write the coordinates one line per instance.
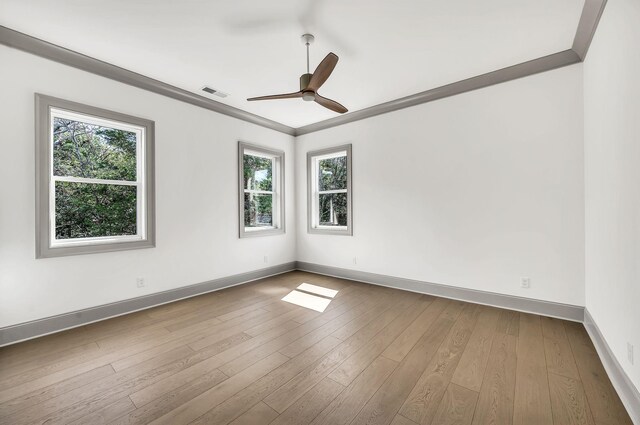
(329, 191)
(95, 189)
(96, 180)
(261, 197)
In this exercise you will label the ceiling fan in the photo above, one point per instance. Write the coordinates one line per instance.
(310, 83)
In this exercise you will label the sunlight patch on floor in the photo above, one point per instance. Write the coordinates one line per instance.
(311, 296)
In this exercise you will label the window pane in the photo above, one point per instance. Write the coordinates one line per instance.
(258, 210)
(333, 209)
(258, 173)
(86, 210)
(332, 173)
(92, 151)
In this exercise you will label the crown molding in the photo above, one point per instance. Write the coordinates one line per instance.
(589, 19)
(591, 13)
(47, 50)
(535, 66)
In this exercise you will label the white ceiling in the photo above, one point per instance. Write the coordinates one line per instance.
(388, 49)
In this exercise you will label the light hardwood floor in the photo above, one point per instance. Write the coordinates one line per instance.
(374, 356)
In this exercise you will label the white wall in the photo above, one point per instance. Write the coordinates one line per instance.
(612, 178)
(196, 175)
(475, 191)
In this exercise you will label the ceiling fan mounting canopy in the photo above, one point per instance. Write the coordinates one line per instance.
(310, 83)
(307, 39)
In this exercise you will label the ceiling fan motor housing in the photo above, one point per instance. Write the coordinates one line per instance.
(307, 95)
(304, 81)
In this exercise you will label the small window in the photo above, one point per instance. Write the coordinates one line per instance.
(94, 179)
(329, 181)
(261, 178)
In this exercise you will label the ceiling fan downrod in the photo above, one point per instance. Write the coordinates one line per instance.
(307, 95)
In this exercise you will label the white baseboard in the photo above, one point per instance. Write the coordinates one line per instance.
(546, 308)
(37, 328)
(628, 393)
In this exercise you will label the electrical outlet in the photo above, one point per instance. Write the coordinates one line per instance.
(140, 282)
(525, 282)
(266, 259)
(630, 352)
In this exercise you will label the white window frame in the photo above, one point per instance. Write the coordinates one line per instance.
(313, 191)
(277, 192)
(47, 245)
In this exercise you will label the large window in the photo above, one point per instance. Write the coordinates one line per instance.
(261, 178)
(329, 186)
(95, 179)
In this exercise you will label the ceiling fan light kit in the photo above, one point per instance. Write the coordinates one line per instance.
(310, 83)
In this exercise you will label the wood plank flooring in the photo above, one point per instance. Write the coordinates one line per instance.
(375, 356)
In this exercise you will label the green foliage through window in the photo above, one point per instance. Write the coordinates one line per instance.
(258, 176)
(92, 151)
(87, 210)
(333, 209)
(332, 175)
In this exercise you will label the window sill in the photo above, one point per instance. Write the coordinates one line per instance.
(326, 230)
(68, 249)
(251, 232)
(84, 242)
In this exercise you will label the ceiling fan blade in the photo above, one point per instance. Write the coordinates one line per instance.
(323, 71)
(278, 96)
(330, 104)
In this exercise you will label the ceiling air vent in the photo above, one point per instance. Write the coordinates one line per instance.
(214, 92)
